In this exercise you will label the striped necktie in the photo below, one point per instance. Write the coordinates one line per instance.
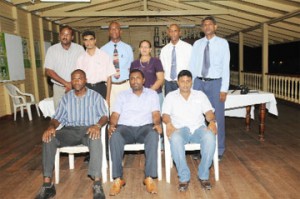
(116, 62)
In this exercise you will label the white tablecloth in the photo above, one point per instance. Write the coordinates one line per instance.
(47, 107)
(235, 103)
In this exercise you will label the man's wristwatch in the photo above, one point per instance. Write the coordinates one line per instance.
(98, 125)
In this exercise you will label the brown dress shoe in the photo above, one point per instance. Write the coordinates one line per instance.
(150, 185)
(116, 187)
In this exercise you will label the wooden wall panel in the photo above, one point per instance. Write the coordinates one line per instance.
(23, 23)
(6, 10)
(36, 29)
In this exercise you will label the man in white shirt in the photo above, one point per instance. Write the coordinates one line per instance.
(60, 62)
(183, 113)
(181, 58)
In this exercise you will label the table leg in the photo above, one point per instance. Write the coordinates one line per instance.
(248, 118)
(262, 117)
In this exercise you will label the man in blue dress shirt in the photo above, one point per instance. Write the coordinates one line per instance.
(122, 56)
(210, 68)
(135, 118)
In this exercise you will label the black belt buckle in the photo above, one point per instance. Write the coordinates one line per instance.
(95, 84)
(207, 79)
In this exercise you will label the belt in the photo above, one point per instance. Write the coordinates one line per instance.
(118, 83)
(207, 79)
(95, 84)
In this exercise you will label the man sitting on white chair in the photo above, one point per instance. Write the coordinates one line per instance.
(82, 112)
(183, 113)
(135, 119)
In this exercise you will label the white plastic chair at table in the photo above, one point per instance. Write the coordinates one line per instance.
(188, 147)
(19, 101)
(139, 147)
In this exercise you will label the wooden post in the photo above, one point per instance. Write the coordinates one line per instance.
(43, 55)
(265, 55)
(241, 57)
(32, 58)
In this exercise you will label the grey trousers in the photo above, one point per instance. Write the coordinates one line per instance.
(72, 136)
(129, 135)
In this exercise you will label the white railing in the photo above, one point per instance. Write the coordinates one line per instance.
(283, 86)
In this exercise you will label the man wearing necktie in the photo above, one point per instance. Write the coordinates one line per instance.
(210, 68)
(122, 56)
(174, 56)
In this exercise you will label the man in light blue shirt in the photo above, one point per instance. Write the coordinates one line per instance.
(124, 58)
(210, 68)
(135, 118)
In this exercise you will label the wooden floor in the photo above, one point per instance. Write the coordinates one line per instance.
(249, 169)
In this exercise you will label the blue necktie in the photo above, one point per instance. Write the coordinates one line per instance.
(206, 61)
(173, 73)
(116, 62)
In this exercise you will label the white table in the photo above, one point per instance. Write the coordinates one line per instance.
(237, 105)
(47, 107)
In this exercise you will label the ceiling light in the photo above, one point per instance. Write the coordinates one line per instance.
(66, 1)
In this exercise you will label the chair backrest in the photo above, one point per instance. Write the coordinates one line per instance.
(13, 91)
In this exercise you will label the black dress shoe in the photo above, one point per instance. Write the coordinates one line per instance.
(46, 192)
(183, 186)
(98, 191)
(205, 184)
(220, 157)
(87, 158)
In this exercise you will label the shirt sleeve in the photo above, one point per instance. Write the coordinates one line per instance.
(166, 107)
(226, 70)
(205, 103)
(49, 63)
(158, 66)
(155, 101)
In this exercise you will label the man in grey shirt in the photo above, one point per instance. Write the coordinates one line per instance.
(60, 62)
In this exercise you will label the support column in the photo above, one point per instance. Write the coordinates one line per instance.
(241, 58)
(265, 55)
(32, 57)
(43, 55)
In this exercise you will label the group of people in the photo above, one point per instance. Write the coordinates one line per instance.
(196, 81)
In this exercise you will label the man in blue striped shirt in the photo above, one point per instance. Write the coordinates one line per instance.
(82, 112)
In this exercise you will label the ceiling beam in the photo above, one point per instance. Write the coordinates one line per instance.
(275, 20)
(56, 13)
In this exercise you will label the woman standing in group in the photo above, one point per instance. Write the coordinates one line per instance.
(151, 67)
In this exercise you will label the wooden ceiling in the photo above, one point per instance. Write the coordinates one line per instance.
(233, 16)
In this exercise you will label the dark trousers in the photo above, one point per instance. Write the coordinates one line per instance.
(212, 90)
(170, 86)
(129, 135)
(99, 88)
(72, 136)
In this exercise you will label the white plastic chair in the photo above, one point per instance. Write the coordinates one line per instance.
(188, 147)
(19, 101)
(71, 150)
(139, 147)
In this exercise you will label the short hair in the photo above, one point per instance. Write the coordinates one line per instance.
(145, 41)
(114, 22)
(66, 27)
(89, 32)
(210, 18)
(174, 24)
(184, 73)
(134, 70)
(78, 71)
